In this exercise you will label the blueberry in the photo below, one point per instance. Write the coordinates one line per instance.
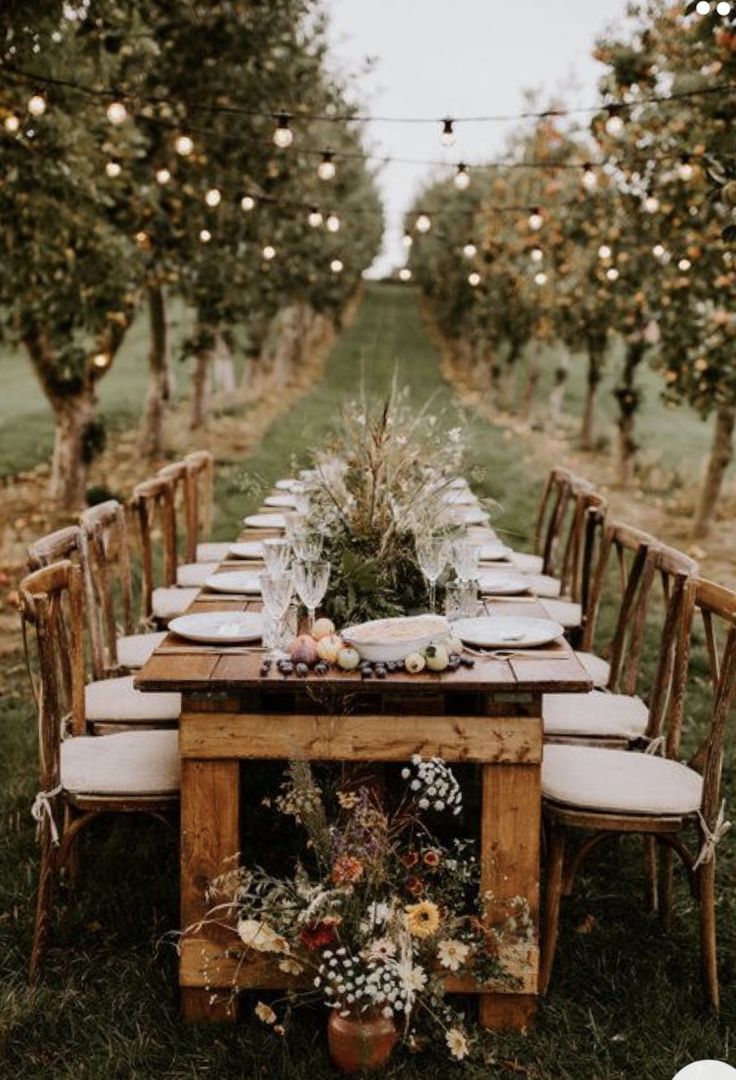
(366, 672)
(264, 671)
(467, 661)
(453, 662)
(321, 668)
(287, 667)
(302, 670)
(381, 671)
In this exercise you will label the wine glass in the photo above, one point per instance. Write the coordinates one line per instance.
(277, 590)
(465, 559)
(307, 546)
(311, 578)
(300, 494)
(432, 558)
(293, 524)
(276, 555)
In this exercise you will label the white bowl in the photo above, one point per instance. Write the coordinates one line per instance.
(372, 643)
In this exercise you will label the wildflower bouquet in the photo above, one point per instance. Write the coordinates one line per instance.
(379, 912)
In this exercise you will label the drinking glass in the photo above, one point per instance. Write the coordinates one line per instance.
(300, 493)
(276, 555)
(277, 591)
(461, 600)
(293, 524)
(307, 546)
(465, 559)
(432, 556)
(311, 578)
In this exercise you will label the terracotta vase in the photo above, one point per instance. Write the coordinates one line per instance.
(360, 1043)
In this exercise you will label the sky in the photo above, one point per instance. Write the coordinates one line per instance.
(459, 57)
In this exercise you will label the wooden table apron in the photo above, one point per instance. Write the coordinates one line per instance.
(489, 715)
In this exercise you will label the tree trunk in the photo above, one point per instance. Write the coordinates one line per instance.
(507, 382)
(557, 394)
(721, 454)
(73, 414)
(595, 374)
(223, 367)
(201, 389)
(629, 399)
(152, 424)
(533, 372)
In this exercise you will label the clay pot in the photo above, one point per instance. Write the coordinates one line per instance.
(360, 1043)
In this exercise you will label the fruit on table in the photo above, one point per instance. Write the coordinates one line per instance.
(348, 659)
(303, 650)
(323, 628)
(437, 658)
(414, 663)
(329, 646)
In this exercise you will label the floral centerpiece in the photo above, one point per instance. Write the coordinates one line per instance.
(375, 917)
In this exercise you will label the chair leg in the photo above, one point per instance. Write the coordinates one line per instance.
(70, 859)
(551, 923)
(666, 883)
(44, 899)
(707, 911)
(651, 871)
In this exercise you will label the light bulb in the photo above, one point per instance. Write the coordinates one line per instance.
(470, 250)
(269, 252)
(116, 112)
(283, 136)
(536, 220)
(723, 7)
(540, 278)
(163, 176)
(462, 178)
(604, 252)
(537, 254)
(651, 204)
(205, 236)
(332, 221)
(326, 169)
(336, 266)
(423, 223)
(247, 203)
(314, 218)
(684, 264)
(11, 123)
(36, 105)
(405, 273)
(141, 238)
(685, 170)
(407, 240)
(213, 197)
(612, 273)
(113, 169)
(614, 124)
(101, 360)
(474, 278)
(658, 251)
(702, 7)
(447, 138)
(589, 180)
(184, 145)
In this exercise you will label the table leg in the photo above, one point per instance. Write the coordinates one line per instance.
(510, 853)
(210, 834)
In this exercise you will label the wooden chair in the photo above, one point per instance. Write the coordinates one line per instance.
(190, 573)
(152, 507)
(611, 792)
(202, 471)
(125, 648)
(81, 776)
(547, 524)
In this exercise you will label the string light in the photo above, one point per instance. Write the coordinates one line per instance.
(213, 197)
(205, 236)
(407, 240)
(336, 266)
(36, 105)
(332, 222)
(163, 176)
(474, 278)
(589, 180)
(113, 169)
(247, 203)
(470, 250)
(314, 218)
(116, 112)
(423, 223)
(702, 7)
(462, 178)
(651, 204)
(283, 136)
(684, 264)
(101, 360)
(723, 7)
(405, 273)
(614, 123)
(604, 252)
(269, 252)
(326, 169)
(536, 221)
(11, 123)
(184, 145)
(540, 278)
(612, 273)
(537, 254)
(658, 251)
(447, 138)
(142, 239)
(685, 169)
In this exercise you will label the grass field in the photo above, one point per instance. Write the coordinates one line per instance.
(625, 1002)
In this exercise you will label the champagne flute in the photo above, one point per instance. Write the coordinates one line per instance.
(276, 555)
(277, 591)
(311, 579)
(432, 558)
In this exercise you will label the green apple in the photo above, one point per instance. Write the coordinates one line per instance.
(436, 657)
(414, 663)
(348, 659)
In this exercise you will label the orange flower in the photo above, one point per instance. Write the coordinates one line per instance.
(415, 886)
(347, 870)
(431, 858)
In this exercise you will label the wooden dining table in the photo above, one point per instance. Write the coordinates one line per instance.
(234, 716)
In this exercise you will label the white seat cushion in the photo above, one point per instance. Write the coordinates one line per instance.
(128, 763)
(544, 585)
(597, 668)
(168, 602)
(619, 781)
(527, 564)
(194, 573)
(212, 552)
(118, 699)
(135, 649)
(596, 715)
(566, 612)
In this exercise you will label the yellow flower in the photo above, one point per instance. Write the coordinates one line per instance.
(422, 919)
(457, 1043)
(265, 1013)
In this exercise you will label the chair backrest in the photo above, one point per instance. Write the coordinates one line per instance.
(105, 527)
(193, 479)
(573, 555)
(677, 573)
(152, 507)
(71, 543)
(550, 515)
(52, 613)
(202, 471)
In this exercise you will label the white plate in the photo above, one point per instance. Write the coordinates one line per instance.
(493, 551)
(288, 502)
(500, 583)
(459, 483)
(219, 627)
(286, 485)
(265, 521)
(251, 549)
(235, 581)
(497, 632)
(471, 515)
(460, 497)
(384, 646)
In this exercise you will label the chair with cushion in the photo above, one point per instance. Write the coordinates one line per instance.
(548, 521)
(82, 776)
(663, 798)
(153, 509)
(189, 572)
(202, 471)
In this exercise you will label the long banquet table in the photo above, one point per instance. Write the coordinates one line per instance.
(231, 716)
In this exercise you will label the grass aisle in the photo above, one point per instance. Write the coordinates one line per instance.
(625, 997)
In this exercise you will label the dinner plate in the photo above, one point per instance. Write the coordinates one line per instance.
(498, 631)
(469, 515)
(235, 581)
(500, 583)
(460, 497)
(493, 551)
(265, 521)
(482, 534)
(219, 627)
(288, 502)
(459, 482)
(286, 485)
(250, 549)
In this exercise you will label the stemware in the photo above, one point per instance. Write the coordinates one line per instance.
(461, 600)
(311, 578)
(307, 546)
(277, 591)
(276, 555)
(464, 556)
(300, 493)
(432, 557)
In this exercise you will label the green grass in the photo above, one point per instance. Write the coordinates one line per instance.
(625, 1003)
